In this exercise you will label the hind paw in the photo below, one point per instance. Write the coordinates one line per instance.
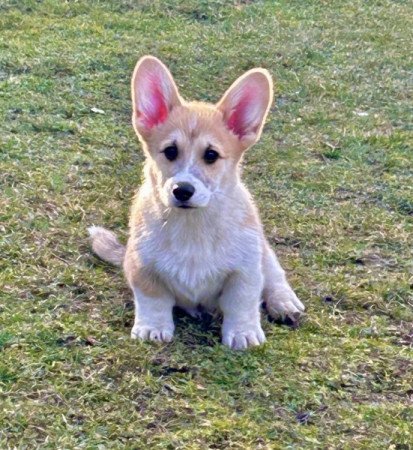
(282, 302)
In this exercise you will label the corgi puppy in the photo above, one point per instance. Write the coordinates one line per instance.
(195, 235)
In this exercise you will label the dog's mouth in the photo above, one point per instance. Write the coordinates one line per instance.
(183, 206)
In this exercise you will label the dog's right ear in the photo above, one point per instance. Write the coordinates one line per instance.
(154, 94)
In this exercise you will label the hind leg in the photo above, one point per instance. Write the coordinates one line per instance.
(280, 299)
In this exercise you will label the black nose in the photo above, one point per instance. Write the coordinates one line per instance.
(183, 191)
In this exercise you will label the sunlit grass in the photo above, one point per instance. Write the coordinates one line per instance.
(332, 177)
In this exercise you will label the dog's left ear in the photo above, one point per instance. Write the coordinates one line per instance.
(154, 94)
(245, 105)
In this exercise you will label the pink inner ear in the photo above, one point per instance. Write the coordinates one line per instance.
(238, 120)
(155, 109)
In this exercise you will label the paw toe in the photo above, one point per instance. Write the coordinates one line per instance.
(145, 333)
(243, 340)
(283, 304)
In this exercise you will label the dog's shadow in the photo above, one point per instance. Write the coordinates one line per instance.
(203, 330)
(206, 329)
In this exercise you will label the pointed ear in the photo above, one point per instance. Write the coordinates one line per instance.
(245, 105)
(154, 94)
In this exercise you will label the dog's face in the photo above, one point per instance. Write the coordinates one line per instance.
(194, 148)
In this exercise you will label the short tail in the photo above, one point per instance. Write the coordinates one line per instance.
(106, 245)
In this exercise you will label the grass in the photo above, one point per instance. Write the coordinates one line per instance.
(333, 172)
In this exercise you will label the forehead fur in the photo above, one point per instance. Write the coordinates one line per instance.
(193, 120)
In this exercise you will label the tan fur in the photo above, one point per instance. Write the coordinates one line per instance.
(214, 254)
(106, 245)
(138, 275)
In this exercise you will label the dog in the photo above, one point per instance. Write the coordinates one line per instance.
(196, 239)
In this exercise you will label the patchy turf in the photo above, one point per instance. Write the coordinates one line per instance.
(333, 172)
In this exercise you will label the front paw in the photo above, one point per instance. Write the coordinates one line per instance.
(282, 302)
(149, 333)
(242, 338)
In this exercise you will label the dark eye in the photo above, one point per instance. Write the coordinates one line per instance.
(210, 156)
(171, 152)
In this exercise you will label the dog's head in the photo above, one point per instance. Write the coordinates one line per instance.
(194, 148)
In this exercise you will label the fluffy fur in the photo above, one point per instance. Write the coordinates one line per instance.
(213, 252)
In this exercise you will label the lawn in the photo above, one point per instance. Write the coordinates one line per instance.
(333, 179)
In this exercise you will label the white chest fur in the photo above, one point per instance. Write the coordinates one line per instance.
(194, 253)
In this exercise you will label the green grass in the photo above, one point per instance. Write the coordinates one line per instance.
(333, 172)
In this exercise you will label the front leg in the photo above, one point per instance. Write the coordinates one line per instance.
(153, 303)
(239, 303)
(153, 317)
